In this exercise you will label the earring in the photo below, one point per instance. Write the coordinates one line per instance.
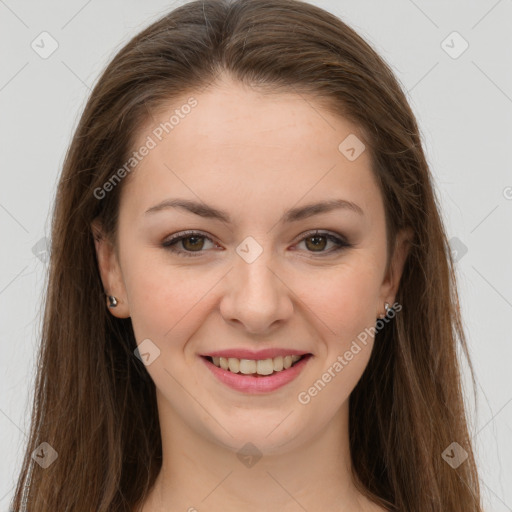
(113, 301)
(387, 308)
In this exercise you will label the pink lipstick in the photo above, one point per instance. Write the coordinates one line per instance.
(256, 384)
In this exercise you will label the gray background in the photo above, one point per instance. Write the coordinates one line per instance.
(464, 108)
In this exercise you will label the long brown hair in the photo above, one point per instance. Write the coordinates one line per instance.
(94, 401)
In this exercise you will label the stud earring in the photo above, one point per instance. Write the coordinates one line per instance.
(113, 301)
(387, 308)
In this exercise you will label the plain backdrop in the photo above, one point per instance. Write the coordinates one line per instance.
(459, 86)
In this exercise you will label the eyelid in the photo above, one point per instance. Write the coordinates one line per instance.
(321, 232)
(177, 237)
(338, 239)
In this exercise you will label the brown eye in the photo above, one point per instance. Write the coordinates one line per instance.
(193, 243)
(318, 242)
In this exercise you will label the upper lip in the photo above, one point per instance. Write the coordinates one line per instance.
(242, 353)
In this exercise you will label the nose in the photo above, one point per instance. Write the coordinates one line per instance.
(256, 297)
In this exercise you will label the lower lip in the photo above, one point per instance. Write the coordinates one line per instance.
(257, 385)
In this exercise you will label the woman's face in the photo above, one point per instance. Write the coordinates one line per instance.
(257, 284)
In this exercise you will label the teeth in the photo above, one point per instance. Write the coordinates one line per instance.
(234, 364)
(251, 366)
(247, 366)
(278, 363)
(265, 367)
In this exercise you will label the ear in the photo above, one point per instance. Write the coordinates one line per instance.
(110, 271)
(392, 279)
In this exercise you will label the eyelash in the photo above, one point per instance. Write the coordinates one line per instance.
(168, 244)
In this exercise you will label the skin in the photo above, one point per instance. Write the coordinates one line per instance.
(254, 155)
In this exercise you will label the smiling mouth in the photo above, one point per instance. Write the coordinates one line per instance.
(256, 368)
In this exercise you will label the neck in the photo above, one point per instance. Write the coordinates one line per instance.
(200, 474)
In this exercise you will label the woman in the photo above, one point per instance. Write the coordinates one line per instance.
(251, 303)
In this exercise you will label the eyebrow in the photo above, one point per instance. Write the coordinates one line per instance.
(291, 215)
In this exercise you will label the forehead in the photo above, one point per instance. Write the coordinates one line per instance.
(241, 146)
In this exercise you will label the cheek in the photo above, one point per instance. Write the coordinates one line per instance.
(344, 300)
(162, 298)
(344, 310)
